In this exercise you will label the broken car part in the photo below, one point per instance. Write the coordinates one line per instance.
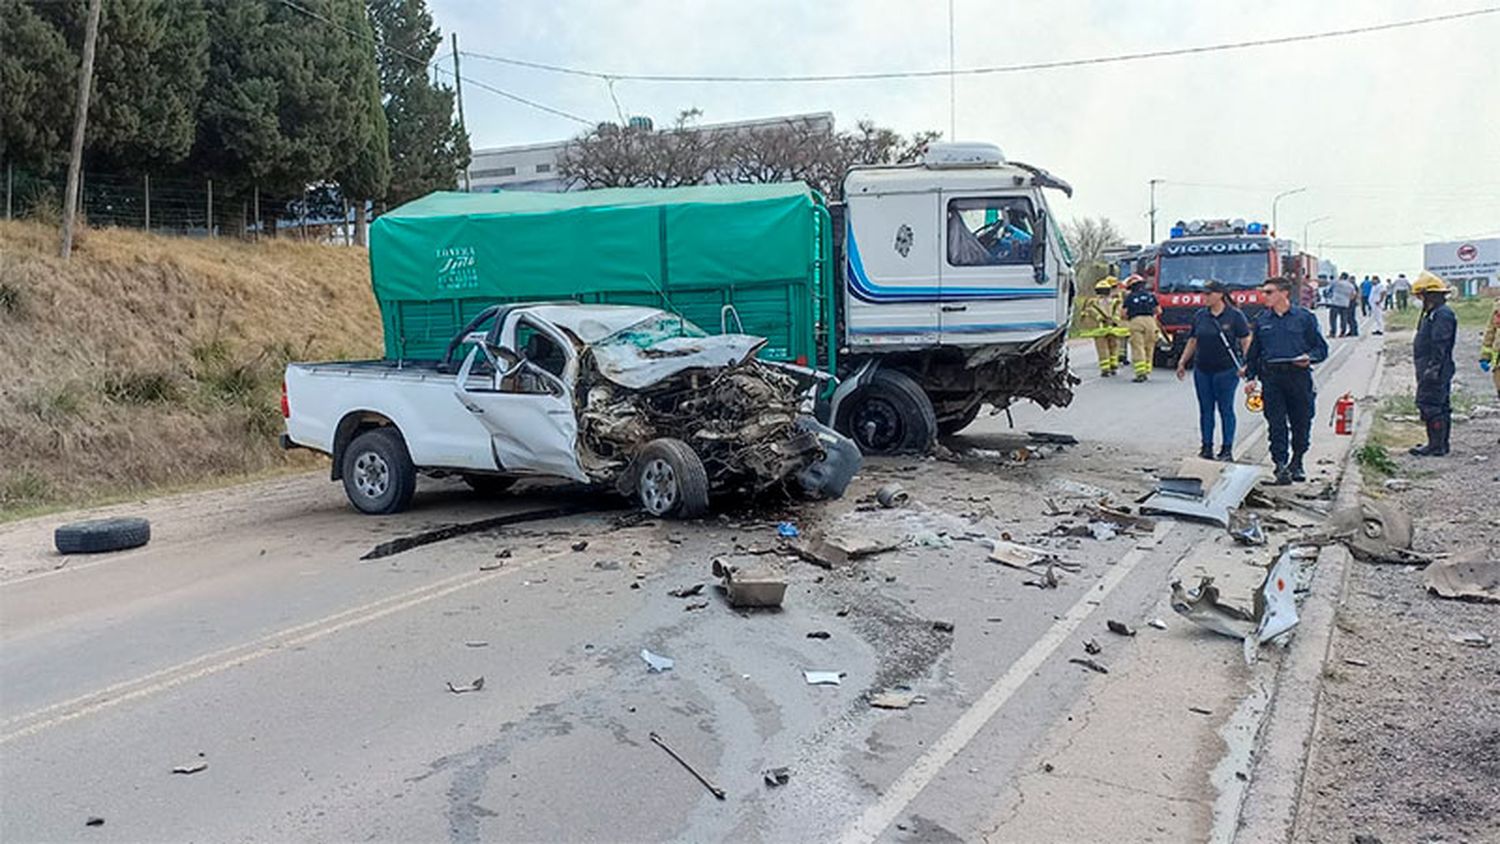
(1471, 639)
(1119, 628)
(750, 581)
(687, 591)
(712, 789)
(1274, 606)
(894, 699)
(98, 536)
(192, 768)
(1089, 664)
(472, 687)
(656, 662)
(1222, 487)
(1376, 532)
(776, 777)
(1469, 576)
(823, 678)
(892, 495)
(1245, 528)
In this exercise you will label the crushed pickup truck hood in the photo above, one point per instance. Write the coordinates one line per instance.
(637, 368)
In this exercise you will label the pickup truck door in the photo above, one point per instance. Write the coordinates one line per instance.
(527, 413)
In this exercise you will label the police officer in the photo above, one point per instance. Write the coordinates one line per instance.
(1432, 352)
(1141, 311)
(1099, 318)
(1286, 343)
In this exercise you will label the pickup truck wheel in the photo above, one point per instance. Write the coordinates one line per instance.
(489, 484)
(670, 480)
(100, 535)
(379, 477)
(890, 415)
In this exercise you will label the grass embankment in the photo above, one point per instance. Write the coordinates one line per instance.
(150, 363)
(1471, 313)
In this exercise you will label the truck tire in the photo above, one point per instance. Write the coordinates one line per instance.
(889, 415)
(489, 485)
(951, 426)
(379, 477)
(100, 535)
(670, 480)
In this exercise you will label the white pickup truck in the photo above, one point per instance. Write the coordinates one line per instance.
(636, 398)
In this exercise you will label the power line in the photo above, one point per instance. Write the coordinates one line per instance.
(402, 53)
(983, 71)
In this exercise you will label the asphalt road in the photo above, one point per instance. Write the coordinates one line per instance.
(249, 636)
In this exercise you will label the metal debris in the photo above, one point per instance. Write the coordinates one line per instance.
(1246, 528)
(1119, 628)
(1466, 577)
(1198, 710)
(1089, 664)
(1471, 639)
(1203, 490)
(818, 634)
(696, 605)
(751, 582)
(895, 699)
(1016, 555)
(687, 591)
(191, 768)
(472, 687)
(607, 565)
(1376, 532)
(1157, 623)
(476, 643)
(656, 662)
(1092, 647)
(1275, 607)
(94, 821)
(892, 495)
(1049, 579)
(776, 777)
(823, 678)
(491, 566)
(943, 626)
(1052, 439)
(712, 789)
(1358, 663)
(581, 545)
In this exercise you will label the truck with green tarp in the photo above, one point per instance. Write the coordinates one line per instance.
(934, 289)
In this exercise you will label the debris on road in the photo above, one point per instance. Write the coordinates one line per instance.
(751, 582)
(94, 821)
(1119, 628)
(656, 662)
(1246, 528)
(787, 530)
(687, 591)
(1090, 664)
(476, 643)
(1048, 580)
(1157, 623)
(1203, 607)
(891, 496)
(607, 565)
(1091, 647)
(712, 789)
(1198, 710)
(1123, 521)
(191, 768)
(581, 545)
(1376, 532)
(1465, 577)
(1471, 639)
(472, 687)
(835, 550)
(943, 626)
(895, 699)
(491, 566)
(823, 678)
(98, 536)
(1204, 490)
(402, 544)
(776, 777)
(1275, 607)
(1357, 663)
(696, 605)
(1016, 555)
(818, 634)
(931, 539)
(1051, 438)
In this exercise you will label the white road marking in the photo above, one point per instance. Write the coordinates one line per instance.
(301, 634)
(899, 794)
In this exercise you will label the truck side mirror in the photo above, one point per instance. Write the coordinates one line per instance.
(1039, 249)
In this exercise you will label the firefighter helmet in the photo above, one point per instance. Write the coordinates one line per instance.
(1106, 283)
(1429, 283)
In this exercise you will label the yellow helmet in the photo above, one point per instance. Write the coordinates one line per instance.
(1429, 283)
(1107, 283)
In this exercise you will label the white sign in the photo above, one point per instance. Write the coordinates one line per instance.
(1464, 259)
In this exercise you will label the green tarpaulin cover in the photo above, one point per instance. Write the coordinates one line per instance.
(438, 260)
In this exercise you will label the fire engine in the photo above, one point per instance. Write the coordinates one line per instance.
(1240, 254)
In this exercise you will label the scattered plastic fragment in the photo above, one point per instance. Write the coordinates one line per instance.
(1200, 710)
(687, 591)
(696, 605)
(192, 768)
(472, 687)
(476, 643)
(776, 777)
(581, 545)
(930, 539)
(1245, 528)
(607, 565)
(94, 821)
(1089, 664)
(823, 678)
(943, 626)
(895, 699)
(1466, 577)
(1102, 531)
(1471, 639)
(1121, 628)
(891, 496)
(657, 662)
(787, 530)
(1157, 623)
(818, 634)
(1092, 647)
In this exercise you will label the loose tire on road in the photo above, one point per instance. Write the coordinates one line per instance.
(489, 485)
(670, 480)
(100, 535)
(889, 415)
(379, 477)
(949, 427)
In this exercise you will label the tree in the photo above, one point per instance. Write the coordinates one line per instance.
(36, 64)
(366, 174)
(1088, 237)
(428, 149)
(684, 154)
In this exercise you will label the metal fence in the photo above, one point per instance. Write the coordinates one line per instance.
(174, 204)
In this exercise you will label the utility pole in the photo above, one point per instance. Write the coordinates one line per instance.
(1154, 183)
(210, 207)
(255, 199)
(458, 92)
(146, 190)
(80, 120)
(952, 81)
(1277, 198)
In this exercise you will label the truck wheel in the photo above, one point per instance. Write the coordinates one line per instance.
(379, 477)
(890, 415)
(670, 480)
(100, 535)
(488, 485)
(949, 427)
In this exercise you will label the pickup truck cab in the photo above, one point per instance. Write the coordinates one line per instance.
(633, 397)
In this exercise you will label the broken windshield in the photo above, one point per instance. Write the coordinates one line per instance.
(653, 330)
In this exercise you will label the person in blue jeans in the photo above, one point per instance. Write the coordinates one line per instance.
(1218, 339)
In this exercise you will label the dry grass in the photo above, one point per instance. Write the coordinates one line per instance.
(150, 362)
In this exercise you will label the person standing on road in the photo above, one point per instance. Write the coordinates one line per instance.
(1489, 348)
(1217, 342)
(1403, 291)
(1336, 303)
(1351, 307)
(1141, 311)
(1099, 318)
(1432, 353)
(1285, 344)
(1364, 294)
(1377, 308)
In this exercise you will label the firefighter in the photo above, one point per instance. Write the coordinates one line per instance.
(1489, 348)
(1285, 343)
(1099, 318)
(1141, 311)
(1432, 353)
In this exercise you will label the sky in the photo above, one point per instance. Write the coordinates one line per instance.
(1395, 135)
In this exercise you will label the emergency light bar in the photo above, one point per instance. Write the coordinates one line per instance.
(1204, 228)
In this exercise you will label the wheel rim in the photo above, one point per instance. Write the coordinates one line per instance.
(876, 425)
(658, 487)
(372, 475)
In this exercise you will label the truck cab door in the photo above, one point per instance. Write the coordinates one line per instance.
(997, 285)
(526, 410)
(891, 249)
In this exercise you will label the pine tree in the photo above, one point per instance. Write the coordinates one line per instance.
(35, 65)
(367, 174)
(428, 147)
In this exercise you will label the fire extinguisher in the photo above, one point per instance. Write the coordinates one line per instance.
(1343, 415)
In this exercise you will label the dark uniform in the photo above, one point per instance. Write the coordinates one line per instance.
(1432, 352)
(1286, 388)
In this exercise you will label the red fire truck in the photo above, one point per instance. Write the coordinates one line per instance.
(1240, 254)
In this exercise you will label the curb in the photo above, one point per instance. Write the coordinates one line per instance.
(1270, 808)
